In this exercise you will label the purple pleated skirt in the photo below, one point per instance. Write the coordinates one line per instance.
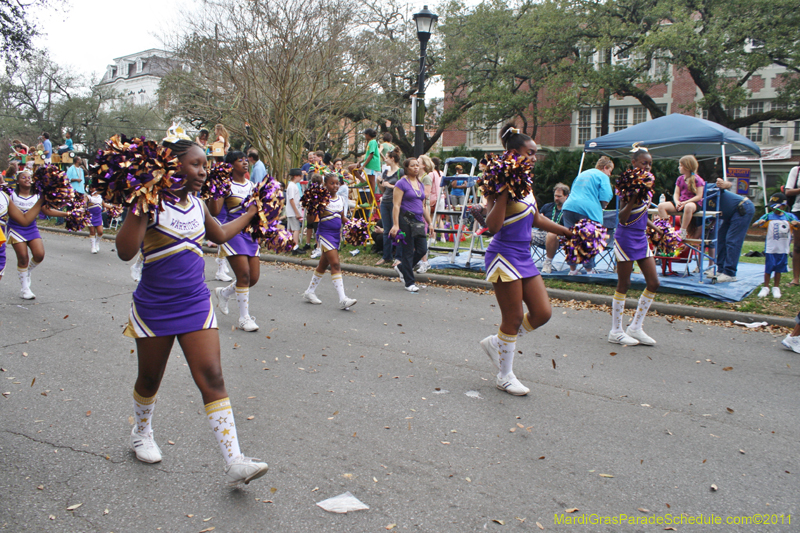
(631, 244)
(17, 233)
(241, 244)
(329, 234)
(97, 215)
(510, 264)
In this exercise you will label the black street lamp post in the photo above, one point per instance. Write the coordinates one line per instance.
(426, 22)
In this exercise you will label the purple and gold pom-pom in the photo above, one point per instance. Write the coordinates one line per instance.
(137, 172)
(78, 216)
(218, 182)
(400, 238)
(6, 188)
(635, 184)
(115, 210)
(52, 184)
(668, 242)
(315, 199)
(588, 239)
(356, 232)
(268, 199)
(511, 172)
(278, 239)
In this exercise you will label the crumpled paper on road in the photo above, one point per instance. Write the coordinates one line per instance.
(343, 503)
(750, 324)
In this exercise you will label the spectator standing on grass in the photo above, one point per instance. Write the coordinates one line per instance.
(294, 212)
(387, 183)
(792, 191)
(259, 171)
(778, 224)
(590, 194)
(75, 175)
(736, 212)
(409, 216)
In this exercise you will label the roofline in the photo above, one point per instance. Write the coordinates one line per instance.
(140, 53)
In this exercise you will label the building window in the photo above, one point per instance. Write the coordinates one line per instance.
(639, 115)
(139, 66)
(480, 134)
(797, 131)
(584, 125)
(620, 118)
(755, 132)
(705, 114)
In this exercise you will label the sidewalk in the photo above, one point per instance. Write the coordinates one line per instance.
(458, 281)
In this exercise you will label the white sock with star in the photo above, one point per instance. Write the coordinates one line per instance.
(617, 310)
(24, 279)
(143, 409)
(338, 284)
(220, 416)
(505, 345)
(316, 277)
(243, 299)
(645, 300)
(229, 291)
(32, 264)
(525, 327)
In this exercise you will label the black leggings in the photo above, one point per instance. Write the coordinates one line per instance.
(414, 250)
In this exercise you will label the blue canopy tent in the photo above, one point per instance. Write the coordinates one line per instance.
(674, 136)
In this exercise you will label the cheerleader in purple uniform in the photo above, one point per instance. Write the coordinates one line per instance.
(510, 268)
(172, 301)
(241, 251)
(23, 236)
(222, 263)
(631, 244)
(4, 201)
(329, 235)
(95, 203)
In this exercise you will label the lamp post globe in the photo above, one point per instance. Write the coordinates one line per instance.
(426, 22)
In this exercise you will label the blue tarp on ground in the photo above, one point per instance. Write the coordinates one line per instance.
(749, 277)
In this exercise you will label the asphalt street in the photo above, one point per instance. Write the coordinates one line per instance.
(393, 401)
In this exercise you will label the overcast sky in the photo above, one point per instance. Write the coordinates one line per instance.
(89, 34)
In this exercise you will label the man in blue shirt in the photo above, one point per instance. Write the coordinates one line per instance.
(736, 212)
(75, 176)
(48, 148)
(259, 171)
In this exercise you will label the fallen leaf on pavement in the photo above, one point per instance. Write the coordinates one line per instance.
(501, 522)
(554, 363)
(391, 526)
(540, 526)
(727, 368)
(643, 510)
(606, 475)
(714, 487)
(572, 510)
(729, 409)
(73, 507)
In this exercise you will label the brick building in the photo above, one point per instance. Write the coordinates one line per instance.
(678, 95)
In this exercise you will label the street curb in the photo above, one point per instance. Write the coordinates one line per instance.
(560, 294)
